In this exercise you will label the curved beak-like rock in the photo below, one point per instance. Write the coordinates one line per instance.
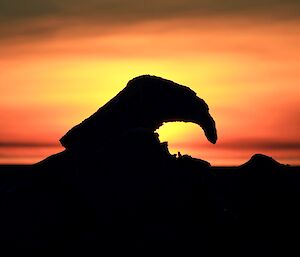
(209, 127)
(146, 102)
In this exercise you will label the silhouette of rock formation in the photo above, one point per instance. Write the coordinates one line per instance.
(145, 103)
(262, 161)
(116, 190)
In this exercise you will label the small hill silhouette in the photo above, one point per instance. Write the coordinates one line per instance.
(117, 190)
(262, 161)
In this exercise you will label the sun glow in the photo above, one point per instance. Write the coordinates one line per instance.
(246, 72)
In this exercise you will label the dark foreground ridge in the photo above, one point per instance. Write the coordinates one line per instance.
(116, 190)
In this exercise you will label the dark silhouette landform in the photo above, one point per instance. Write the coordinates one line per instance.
(116, 190)
(145, 103)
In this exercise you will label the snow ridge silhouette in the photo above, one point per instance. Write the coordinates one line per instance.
(117, 190)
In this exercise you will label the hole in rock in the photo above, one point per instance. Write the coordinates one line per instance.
(183, 137)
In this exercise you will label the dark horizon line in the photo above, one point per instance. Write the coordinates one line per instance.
(20, 144)
(242, 144)
(247, 144)
(11, 165)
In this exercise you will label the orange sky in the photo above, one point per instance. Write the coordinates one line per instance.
(246, 67)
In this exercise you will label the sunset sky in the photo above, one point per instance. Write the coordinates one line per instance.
(60, 60)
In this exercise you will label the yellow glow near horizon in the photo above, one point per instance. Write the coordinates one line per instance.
(247, 73)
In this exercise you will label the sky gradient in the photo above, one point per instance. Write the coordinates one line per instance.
(62, 60)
